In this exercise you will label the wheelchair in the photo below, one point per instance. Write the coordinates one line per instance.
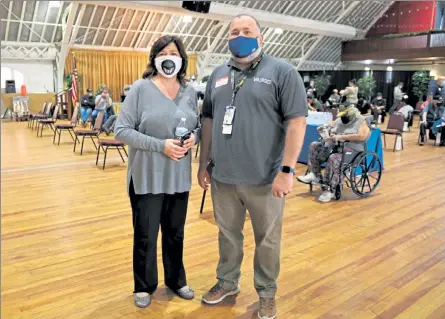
(360, 170)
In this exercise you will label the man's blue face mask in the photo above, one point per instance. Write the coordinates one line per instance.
(242, 47)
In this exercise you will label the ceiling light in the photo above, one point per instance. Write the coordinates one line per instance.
(278, 31)
(187, 19)
(367, 69)
(389, 69)
(55, 4)
(368, 61)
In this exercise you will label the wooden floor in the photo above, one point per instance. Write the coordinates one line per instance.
(67, 242)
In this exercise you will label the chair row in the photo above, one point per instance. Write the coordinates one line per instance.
(45, 119)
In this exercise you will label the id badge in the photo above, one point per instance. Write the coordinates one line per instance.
(229, 115)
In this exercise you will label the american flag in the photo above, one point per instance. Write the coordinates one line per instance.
(74, 81)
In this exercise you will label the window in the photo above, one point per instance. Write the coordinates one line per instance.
(11, 74)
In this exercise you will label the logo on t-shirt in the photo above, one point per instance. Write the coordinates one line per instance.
(262, 80)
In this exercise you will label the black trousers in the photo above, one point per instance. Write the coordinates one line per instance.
(377, 113)
(150, 211)
(423, 129)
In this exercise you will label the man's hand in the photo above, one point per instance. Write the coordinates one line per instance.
(282, 184)
(204, 178)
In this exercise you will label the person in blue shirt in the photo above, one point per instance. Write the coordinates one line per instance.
(436, 87)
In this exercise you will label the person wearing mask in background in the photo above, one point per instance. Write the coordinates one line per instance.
(378, 107)
(351, 92)
(350, 126)
(398, 96)
(103, 102)
(251, 94)
(86, 106)
(313, 104)
(126, 90)
(433, 112)
(334, 99)
(108, 127)
(436, 87)
(159, 171)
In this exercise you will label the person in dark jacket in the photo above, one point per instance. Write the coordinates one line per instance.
(431, 114)
(378, 107)
(87, 106)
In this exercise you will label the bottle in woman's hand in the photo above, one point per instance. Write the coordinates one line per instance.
(181, 131)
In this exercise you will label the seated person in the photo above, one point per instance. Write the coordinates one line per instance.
(103, 103)
(334, 99)
(86, 106)
(126, 90)
(363, 106)
(432, 114)
(108, 127)
(406, 109)
(378, 107)
(313, 104)
(350, 126)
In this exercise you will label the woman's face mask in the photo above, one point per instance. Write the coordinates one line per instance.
(168, 65)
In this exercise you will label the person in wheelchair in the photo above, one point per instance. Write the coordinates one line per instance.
(349, 126)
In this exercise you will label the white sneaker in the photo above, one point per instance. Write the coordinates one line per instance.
(326, 196)
(309, 178)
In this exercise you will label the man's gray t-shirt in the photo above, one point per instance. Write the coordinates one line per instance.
(145, 121)
(271, 95)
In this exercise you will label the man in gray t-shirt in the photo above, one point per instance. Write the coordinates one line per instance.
(254, 138)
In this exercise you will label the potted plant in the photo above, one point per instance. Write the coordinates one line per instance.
(68, 80)
(366, 86)
(322, 83)
(420, 84)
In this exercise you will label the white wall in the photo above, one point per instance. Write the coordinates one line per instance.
(38, 75)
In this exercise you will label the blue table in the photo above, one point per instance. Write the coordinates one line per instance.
(374, 143)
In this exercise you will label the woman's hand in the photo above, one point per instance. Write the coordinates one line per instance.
(173, 150)
(190, 142)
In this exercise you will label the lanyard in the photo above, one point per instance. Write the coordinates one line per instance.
(240, 83)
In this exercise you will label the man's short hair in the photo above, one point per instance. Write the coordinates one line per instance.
(247, 15)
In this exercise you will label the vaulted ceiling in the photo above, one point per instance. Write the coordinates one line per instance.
(307, 33)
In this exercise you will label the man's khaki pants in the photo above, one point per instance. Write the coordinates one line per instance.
(266, 212)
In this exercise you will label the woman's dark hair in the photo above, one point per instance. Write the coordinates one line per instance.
(353, 81)
(157, 47)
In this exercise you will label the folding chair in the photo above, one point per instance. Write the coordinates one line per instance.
(105, 144)
(67, 127)
(395, 127)
(48, 122)
(95, 132)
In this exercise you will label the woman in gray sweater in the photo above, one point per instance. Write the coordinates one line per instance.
(159, 168)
